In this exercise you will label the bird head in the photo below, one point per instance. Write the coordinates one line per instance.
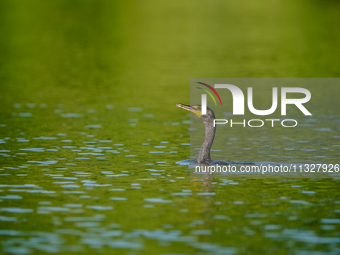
(196, 109)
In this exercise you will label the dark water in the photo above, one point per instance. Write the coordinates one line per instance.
(89, 131)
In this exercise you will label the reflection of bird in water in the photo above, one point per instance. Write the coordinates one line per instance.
(208, 120)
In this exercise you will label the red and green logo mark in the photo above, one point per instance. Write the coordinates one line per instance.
(209, 93)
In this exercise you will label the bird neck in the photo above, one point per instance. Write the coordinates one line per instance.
(204, 155)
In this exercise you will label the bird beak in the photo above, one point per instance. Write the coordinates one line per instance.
(198, 113)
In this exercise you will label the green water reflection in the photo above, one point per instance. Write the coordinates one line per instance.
(89, 131)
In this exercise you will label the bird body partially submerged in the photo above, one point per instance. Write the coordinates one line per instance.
(208, 120)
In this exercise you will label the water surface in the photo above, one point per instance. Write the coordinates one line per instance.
(89, 131)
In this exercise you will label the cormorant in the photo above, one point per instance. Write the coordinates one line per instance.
(208, 120)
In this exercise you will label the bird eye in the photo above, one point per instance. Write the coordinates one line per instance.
(198, 108)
